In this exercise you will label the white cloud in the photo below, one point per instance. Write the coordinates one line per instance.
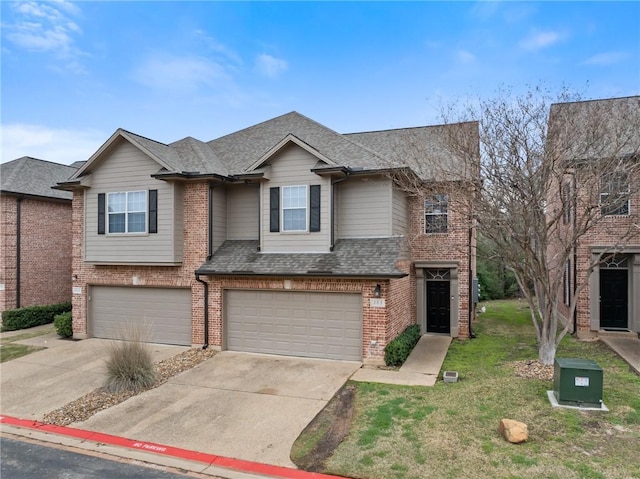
(45, 27)
(465, 56)
(53, 144)
(538, 40)
(607, 58)
(214, 45)
(270, 66)
(180, 73)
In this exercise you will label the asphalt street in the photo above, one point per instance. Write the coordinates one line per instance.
(25, 460)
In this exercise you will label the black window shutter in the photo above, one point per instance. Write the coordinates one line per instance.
(101, 215)
(314, 213)
(274, 210)
(153, 211)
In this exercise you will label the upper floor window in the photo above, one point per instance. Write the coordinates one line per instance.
(614, 193)
(436, 214)
(294, 208)
(127, 212)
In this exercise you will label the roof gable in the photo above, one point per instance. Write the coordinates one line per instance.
(289, 139)
(158, 152)
(246, 148)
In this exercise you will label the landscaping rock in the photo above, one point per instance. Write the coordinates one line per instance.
(513, 431)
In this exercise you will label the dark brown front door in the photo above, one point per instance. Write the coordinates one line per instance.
(613, 299)
(438, 309)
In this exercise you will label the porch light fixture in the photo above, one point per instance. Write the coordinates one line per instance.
(376, 291)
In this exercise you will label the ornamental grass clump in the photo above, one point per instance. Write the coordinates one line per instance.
(129, 365)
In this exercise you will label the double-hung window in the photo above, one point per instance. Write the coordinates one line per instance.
(294, 208)
(436, 212)
(614, 193)
(127, 212)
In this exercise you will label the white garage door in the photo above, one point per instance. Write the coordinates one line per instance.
(314, 325)
(161, 315)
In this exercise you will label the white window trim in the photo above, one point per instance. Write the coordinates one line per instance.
(306, 209)
(446, 215)
(126, 213)
(605, 195)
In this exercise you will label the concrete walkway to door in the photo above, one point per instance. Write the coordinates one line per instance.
(421, 368)
(627, 346)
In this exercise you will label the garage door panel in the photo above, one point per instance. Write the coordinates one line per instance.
(316, 324)
(161, 315)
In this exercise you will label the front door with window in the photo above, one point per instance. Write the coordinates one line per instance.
(438, 307)
(614, 299)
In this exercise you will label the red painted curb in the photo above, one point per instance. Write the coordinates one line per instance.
(210, 459)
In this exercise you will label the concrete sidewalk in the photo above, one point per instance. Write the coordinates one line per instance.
(421, 368)
(626, 346)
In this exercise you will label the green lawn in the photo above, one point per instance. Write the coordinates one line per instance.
(450, 430)
(10, 350)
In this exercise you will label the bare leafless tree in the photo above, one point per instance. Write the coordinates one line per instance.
(550, 171)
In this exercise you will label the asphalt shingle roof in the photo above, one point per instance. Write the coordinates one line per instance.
(596, 128)
(30, 176)
(241, 149)
(371, 257)
(236, 153)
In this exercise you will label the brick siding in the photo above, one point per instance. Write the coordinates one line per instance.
(452, 246)
(45, 252)
(380, 325)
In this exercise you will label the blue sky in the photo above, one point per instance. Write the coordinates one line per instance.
(74, 72)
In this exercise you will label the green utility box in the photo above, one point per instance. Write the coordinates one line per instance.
(577, 382)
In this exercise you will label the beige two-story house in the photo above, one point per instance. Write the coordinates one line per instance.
(283, 238)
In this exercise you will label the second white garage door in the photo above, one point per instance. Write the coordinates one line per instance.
(314, 325)
(161, 315)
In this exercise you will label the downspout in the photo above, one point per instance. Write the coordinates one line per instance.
(18, 247)
(206, 311)
(332, 207)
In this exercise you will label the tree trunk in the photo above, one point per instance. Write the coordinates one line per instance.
(547, 352)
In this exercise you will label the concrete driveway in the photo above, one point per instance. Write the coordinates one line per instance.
(246, 406)
(40, 382)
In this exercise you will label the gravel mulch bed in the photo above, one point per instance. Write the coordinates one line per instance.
(533, 369)
(99, 399)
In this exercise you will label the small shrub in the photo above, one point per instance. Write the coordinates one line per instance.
(129, 367)
(14, 319)
(398, 350)
(64, 324)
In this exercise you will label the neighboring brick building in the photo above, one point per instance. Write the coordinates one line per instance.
(600, 141)
(35, 234)
(284, 238)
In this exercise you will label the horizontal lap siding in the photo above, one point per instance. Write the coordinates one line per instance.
(317, 325)
(399, 212)
(242, 212)
(158, 315)
(364, 208)
(292, 167)
(219, 227)
(128, 169)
